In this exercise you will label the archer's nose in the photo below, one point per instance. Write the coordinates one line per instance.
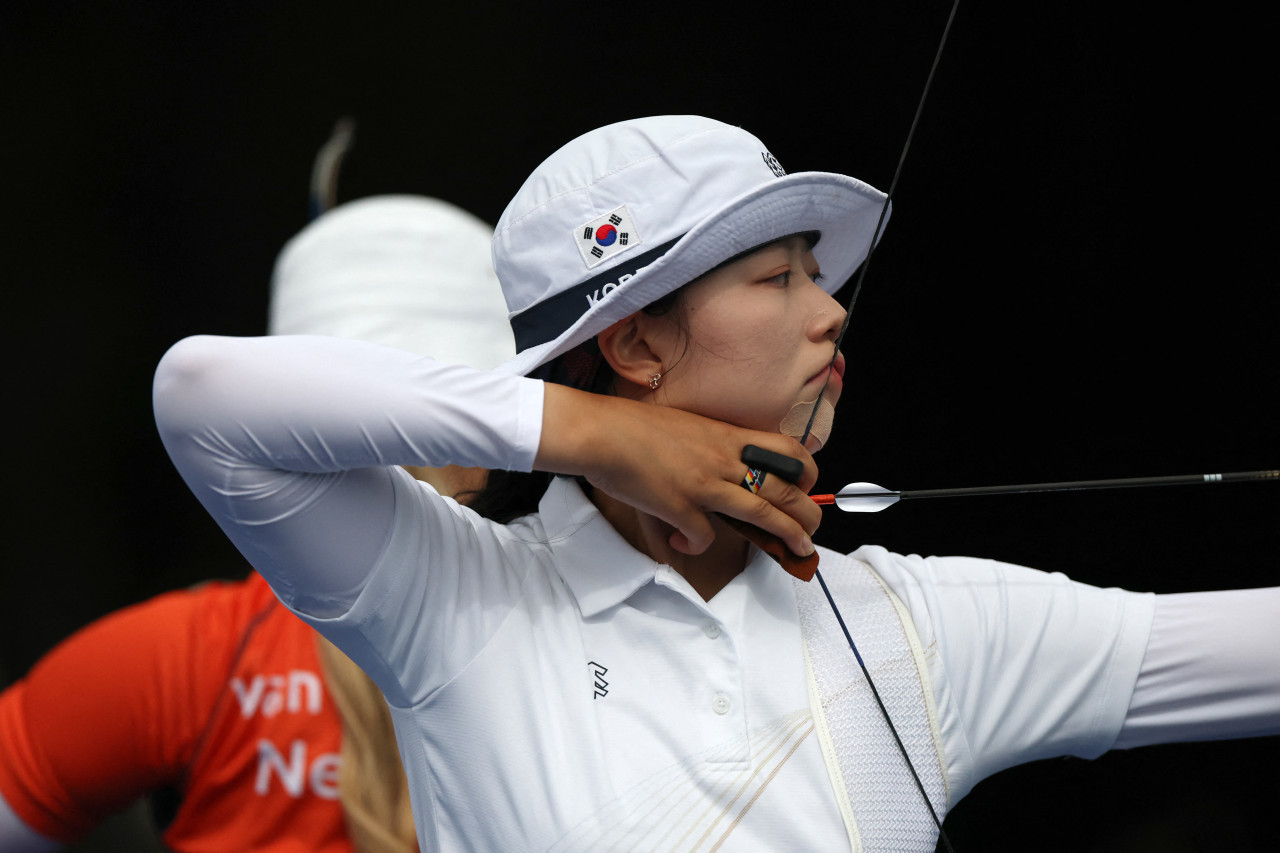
(827, 321)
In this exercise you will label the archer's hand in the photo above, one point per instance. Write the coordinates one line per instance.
(675, 465)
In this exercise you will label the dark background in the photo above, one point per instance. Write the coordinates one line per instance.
(1077, 282)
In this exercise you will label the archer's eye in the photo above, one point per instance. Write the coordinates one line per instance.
(782, 279)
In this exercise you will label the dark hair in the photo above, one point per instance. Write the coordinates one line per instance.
(507, 495)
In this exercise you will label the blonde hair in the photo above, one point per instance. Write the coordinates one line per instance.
(371, 782)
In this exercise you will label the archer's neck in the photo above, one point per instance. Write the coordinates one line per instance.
(708, 572)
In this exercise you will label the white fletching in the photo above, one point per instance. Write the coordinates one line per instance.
(865, 497)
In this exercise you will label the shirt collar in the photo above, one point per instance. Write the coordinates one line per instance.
(599, 566)
(603, 570)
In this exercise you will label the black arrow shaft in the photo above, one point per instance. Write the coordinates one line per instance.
(1079, 485)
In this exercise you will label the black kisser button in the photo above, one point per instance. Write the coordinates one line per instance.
(786, 467)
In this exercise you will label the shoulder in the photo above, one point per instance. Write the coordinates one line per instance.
(170, 655)
(967, 599)
(170, 626)
(1007, 643)
(203, 627)
(119, 707)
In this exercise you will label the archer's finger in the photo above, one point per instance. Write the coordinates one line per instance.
(794, 502)
(694, 535)
(759, 511)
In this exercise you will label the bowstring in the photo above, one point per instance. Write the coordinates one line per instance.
(862, 274)
(884, 712)
(884, 215)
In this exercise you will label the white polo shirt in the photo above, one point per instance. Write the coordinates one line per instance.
(572, 693)
(565, 692)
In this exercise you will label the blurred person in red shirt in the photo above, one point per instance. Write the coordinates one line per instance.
(270, 738)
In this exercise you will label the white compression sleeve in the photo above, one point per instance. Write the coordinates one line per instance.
(289, 443)
(1211, 669)
(17, 837)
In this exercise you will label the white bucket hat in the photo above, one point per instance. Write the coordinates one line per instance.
(409, 272)
(625, 214)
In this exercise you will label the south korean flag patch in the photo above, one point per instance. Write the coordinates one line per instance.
(606, 236)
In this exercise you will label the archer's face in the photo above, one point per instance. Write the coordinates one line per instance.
(760, 334)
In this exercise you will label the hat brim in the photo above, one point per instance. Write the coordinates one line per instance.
(843, 209)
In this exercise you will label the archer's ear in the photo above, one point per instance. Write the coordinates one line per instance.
(627, 348)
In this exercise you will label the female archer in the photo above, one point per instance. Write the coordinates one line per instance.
(593, 655)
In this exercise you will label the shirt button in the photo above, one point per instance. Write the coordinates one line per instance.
(720, 704)
(712, 630)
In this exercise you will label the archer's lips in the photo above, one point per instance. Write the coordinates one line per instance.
(835, 369)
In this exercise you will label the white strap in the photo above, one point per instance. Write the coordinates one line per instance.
(878, 797)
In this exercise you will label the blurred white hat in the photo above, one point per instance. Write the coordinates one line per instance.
(409, 272)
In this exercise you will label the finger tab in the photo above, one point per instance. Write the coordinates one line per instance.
(799, 567)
